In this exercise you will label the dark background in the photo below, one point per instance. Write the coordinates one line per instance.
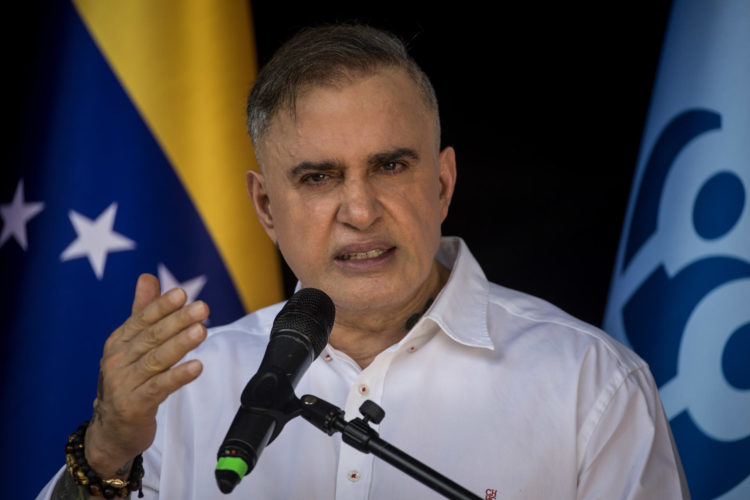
(544, 102)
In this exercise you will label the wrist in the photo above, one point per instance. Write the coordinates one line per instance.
(97, 483)
(102, 459)
(106, 465)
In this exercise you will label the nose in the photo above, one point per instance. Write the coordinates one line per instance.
(359, 206)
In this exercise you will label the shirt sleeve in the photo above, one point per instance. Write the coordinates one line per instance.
(151, 465)
(46, 492)
(631, 449)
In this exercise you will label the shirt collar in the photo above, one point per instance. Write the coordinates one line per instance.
(460, 309)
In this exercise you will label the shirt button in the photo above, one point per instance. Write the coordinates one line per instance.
(328, 357)
(353, 476)
(412, 348)
(363, 390)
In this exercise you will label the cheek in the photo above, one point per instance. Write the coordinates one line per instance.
(301, 230)
(424, 206)
(419, 215)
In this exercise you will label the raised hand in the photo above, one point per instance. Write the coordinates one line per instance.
(138, 371)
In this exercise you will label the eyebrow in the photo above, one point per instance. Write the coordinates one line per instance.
(336, 165)
(312, 166)
(389, 156)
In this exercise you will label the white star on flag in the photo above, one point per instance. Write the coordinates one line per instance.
(192, 287)
(96, 239)
(16, 215)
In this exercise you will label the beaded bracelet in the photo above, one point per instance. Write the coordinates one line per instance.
(83, 475)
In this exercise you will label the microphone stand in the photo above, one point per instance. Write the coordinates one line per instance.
(358, 434)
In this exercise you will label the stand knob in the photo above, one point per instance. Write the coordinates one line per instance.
(372, 412)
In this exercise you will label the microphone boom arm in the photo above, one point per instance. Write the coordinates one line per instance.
(358, 434)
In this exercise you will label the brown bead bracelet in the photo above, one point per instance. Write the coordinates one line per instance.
(83, 475)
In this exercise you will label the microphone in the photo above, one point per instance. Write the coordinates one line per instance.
(299, 333)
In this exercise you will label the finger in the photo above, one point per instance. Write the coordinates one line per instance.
(160, 332)
(146, 290)
(156, 389)
(152, 313)
(122, 377)
(171, 351)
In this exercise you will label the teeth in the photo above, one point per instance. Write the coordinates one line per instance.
(363, 255)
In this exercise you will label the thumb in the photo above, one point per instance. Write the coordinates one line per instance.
(146, 289)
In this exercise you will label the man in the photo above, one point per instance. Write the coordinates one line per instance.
(501, 392)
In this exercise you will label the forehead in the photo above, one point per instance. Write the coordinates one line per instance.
(382, 110)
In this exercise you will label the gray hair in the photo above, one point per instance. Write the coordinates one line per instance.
(325, 56)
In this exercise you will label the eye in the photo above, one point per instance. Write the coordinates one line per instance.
(316, 178)
(393, 167)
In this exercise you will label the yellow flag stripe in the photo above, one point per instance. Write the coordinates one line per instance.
(188, 66)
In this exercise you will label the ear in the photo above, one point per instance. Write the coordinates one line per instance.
(447, 179)
(256, 188)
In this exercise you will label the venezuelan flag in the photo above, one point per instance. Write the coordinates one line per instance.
(133, 160)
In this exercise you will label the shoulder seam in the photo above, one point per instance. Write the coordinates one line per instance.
(576, 325)
(599, 409)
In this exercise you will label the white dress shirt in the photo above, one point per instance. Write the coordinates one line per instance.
(499, 391)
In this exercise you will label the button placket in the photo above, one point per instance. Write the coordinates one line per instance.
(354, 473)
(353, 478)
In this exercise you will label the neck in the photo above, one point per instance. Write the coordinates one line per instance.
(362, 336)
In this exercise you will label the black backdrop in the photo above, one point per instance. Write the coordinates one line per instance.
(544, 102)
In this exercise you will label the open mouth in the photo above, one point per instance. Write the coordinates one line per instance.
(371, 254)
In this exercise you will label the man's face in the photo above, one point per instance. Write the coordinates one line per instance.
(354, 189)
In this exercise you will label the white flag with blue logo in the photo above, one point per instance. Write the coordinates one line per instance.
(680, 293)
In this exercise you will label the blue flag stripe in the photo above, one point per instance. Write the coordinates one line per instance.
(87, 152)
